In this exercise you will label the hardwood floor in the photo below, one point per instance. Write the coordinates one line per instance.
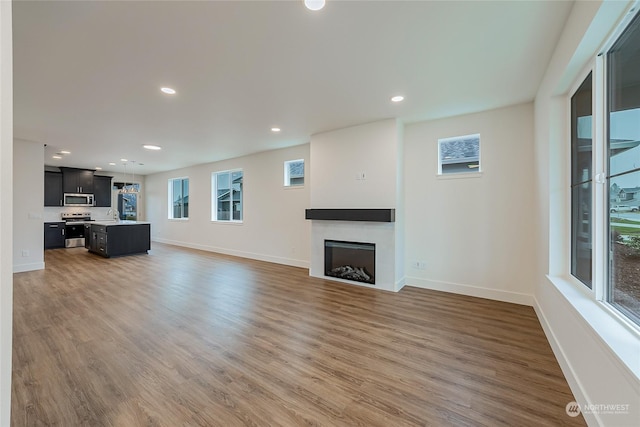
(188, 338)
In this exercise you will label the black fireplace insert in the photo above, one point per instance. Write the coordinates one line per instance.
(354, 261)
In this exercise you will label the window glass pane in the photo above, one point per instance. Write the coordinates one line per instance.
(581, 215)
(624, 223)
(294, 172)
(236, 183)
(581, 247)
(223, 196)
(228, 204)
(459, 154)
(177, 198)
(623, 87)
(185, 198)
(581, 129)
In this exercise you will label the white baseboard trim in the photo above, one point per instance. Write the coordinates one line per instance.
(400, 284)
(473, 291)
(251, 255)
(21, 268)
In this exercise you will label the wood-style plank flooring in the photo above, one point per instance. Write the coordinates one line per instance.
(181, 337)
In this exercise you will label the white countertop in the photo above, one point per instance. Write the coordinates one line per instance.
(109, 223)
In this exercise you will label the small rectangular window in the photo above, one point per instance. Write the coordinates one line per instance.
(227, 196)
(294, 173)
(179, 198)
(460, 154)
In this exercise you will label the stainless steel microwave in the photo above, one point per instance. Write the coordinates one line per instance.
(72, 199)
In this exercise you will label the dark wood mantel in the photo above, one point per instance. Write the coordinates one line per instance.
(373, 215)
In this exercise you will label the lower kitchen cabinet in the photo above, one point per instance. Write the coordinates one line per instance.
(119, 239)
(54, 235)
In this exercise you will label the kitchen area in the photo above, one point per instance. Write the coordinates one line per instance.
(85, 209)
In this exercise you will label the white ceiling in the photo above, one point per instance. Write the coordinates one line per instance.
(87, 74)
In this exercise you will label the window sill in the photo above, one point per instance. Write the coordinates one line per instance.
(622, 337)
(215, 221)
(292, 187)
(461, 175)
(178, 219)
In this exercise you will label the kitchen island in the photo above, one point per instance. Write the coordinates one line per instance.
(118, 238)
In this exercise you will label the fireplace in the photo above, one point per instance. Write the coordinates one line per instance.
(353, 261)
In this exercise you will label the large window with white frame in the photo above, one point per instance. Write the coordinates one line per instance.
(605, 176)
(178, 198)
(623, 158)
(227, 196)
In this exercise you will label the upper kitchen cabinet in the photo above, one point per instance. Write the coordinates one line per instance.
(77, 180)
(52, 188)
(102, 191)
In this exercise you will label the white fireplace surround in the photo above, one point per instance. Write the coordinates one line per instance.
(382, 234)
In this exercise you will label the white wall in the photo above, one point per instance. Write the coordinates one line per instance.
(6, 210)
(476, 233)
(28, 231)
(338, 156)
(599, 357)
(273, 228)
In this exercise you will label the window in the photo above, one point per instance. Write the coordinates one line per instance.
(179, 198)
(460, 154)
(605, 176)
(227, 196)
(581, 185)
(623, 158)
(294, 173)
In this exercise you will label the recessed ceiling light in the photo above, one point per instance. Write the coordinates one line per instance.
(56, 157)
(168, 90)
(152, 147)
(314, 4)
(112, 164)
(124, 160)
(65, 152)
(275, 129)
(98, 168)
(397, 98)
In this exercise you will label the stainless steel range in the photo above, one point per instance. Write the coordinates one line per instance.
(74, 228)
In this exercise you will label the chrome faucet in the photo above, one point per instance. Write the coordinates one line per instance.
(114, 214)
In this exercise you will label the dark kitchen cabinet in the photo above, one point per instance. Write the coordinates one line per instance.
(102, 191)
(52, 188)
(77, 180)
(87, 235)
(120, 239)
(54, 235)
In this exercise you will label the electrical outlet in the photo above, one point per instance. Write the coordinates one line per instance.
(415, 264)
(422, 265)
(25, 253)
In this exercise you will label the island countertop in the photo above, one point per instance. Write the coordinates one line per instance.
(109, 223)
